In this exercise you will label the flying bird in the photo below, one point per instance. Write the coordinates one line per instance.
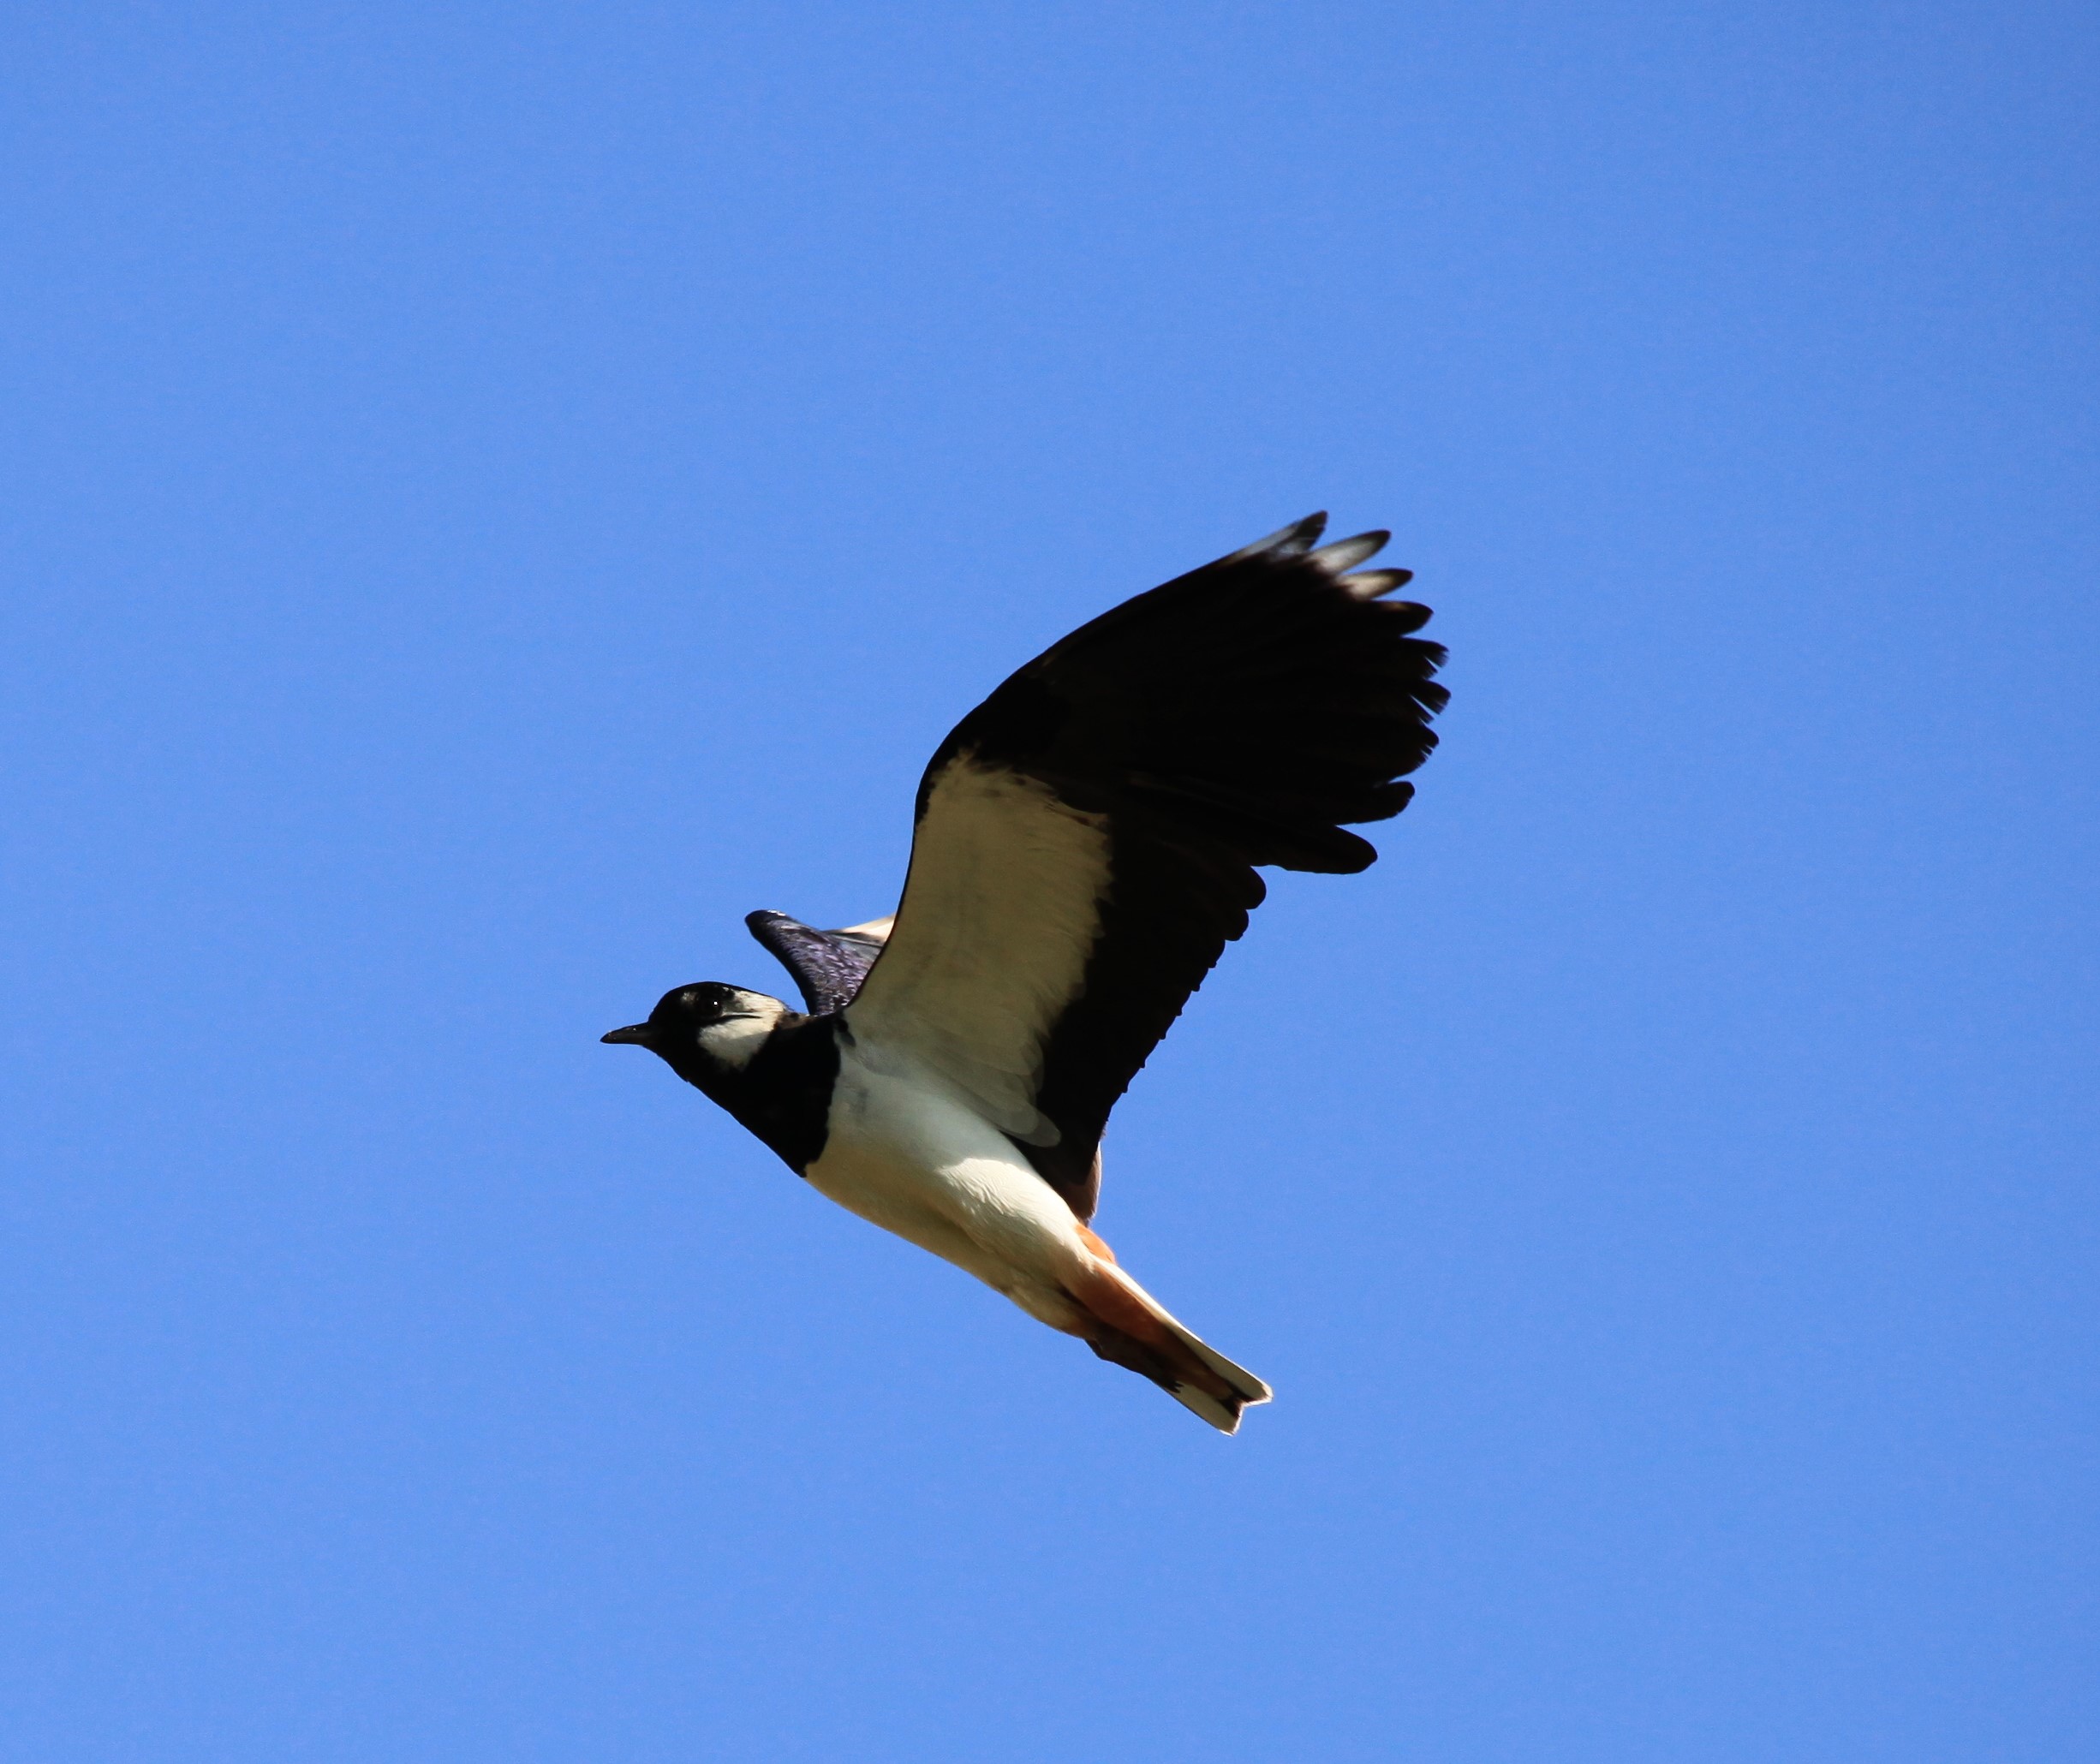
(1084, 847)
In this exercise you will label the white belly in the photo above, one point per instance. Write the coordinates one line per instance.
(913, 1158)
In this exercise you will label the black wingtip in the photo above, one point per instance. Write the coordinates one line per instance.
(1300, 536)
(1290, 541)
(828, 966)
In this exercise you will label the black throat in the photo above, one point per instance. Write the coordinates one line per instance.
(783, 1093)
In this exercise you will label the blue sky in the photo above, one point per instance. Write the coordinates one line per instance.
(495, 493)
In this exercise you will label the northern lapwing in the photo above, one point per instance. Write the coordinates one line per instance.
(1085, 846)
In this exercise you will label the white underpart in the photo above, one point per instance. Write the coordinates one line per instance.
(921, 1162)
(735, 1039)
(924, 1164)
(1001, 910)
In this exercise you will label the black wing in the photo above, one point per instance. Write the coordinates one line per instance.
(1087, 837)
(828, 966)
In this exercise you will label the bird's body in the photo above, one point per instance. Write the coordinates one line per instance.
(907, 1153)
(1084, 848)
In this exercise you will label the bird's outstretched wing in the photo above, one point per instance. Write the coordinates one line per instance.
(828, 966)
(1086, 838)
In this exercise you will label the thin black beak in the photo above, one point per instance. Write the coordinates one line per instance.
(636, 1033)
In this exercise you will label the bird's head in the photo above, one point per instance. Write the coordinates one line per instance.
(706, 1030)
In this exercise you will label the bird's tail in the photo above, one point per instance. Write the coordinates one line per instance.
(1131, 1328)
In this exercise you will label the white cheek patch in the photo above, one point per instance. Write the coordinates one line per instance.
(735, 1040)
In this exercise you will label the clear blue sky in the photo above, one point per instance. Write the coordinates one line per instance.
(497, 493)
